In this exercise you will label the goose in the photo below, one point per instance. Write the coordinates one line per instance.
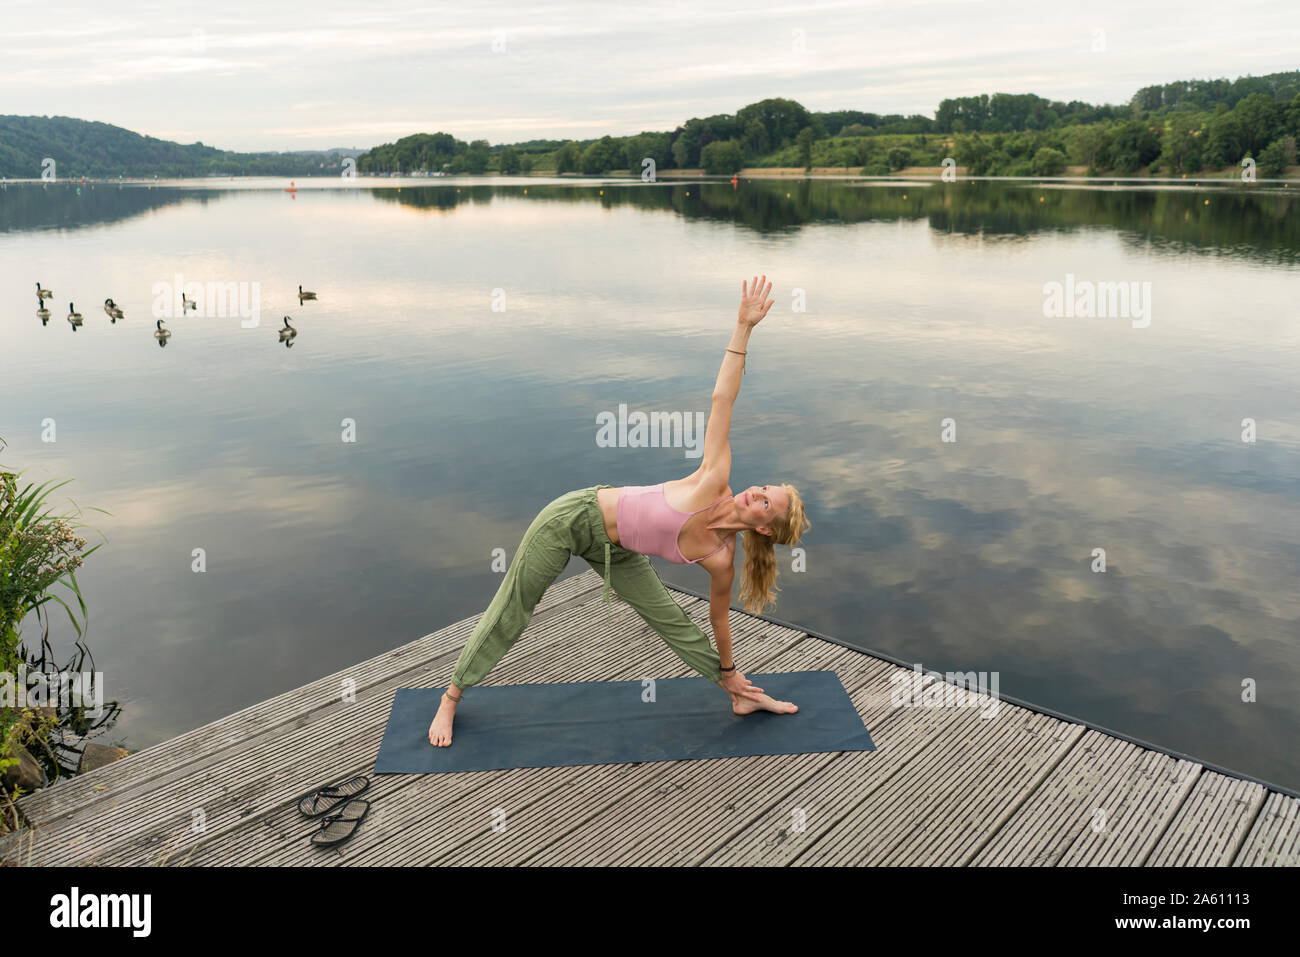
(41, 312)
(113, 309)
(44, 293)
(288, 332)
(162, 334)
(303, 296)
(188, 303)
(74, 317)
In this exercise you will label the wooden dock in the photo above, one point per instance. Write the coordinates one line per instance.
(946, 786)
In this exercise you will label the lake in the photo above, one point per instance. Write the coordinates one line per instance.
(469, 333)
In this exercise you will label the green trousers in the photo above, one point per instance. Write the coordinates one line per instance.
(572, 525)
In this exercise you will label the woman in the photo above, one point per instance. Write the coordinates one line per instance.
(617, 528)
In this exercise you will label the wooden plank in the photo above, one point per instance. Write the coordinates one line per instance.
(663, 813)
(168, 758)
(426, 816)
(1274, 839)
(812, 805)
(358, 742)
(1211, 826)
(981, 765)
(229, 787)
(1106, 803)
(946, 786)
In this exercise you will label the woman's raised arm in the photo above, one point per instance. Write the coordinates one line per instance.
(717, 449)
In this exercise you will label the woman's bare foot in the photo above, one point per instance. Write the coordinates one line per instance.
(744, 705)
(440, 730)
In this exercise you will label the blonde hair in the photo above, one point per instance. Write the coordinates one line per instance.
(758, 574)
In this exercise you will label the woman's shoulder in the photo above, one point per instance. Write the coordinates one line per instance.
(695, 492)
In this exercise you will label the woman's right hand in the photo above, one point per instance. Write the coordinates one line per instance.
(752, 306)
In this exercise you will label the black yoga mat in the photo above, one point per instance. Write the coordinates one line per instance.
(617, 722)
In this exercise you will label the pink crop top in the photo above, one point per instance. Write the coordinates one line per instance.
(649, 525)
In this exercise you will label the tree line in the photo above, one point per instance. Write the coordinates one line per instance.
(1178, 128)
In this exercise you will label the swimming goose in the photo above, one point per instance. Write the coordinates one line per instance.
(74, 317)
(188, 303)
(288, 332)
(44, 293)
(113, 309)
(41, 312)
(303, 296)
(162, 333)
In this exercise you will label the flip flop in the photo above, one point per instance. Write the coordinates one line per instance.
(337, 828)
(326, 799)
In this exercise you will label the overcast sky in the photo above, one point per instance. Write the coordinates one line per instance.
(262, 74)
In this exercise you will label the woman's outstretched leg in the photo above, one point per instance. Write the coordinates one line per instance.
(637, 583)
(541, 557)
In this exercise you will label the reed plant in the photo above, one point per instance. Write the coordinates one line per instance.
(40, 552)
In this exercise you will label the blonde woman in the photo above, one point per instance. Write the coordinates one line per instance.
(690, 521)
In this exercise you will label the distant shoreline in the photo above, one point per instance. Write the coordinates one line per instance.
(918, 174)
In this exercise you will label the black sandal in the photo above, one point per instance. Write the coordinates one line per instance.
(337, 828)
(326, 799)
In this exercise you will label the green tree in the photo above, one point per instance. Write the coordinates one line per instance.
(973, 152)
(1085, 142)
(781, 120)
(804, 141)
(756, 141)
(1134, 145)
(1291, 116)
(722, 156)
(1180, 143)
(899, 157)
(509, 161)
(1225, 143)
(601, 156)
(476, 157)
(656, 146)
(1260, 119)
(1273, 159)
(567, 158)
(1048, 162)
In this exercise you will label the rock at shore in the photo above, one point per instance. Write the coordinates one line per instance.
(98, 755)
(26, 774)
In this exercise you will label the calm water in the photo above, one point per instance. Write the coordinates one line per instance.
(922, 303)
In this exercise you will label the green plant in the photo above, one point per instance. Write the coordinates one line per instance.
(39, 551)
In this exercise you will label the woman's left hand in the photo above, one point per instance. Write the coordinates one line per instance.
(752, 306)
(733, 682)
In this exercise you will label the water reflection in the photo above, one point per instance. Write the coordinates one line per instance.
(1224, 217)
(75, 693)
(473, 337)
